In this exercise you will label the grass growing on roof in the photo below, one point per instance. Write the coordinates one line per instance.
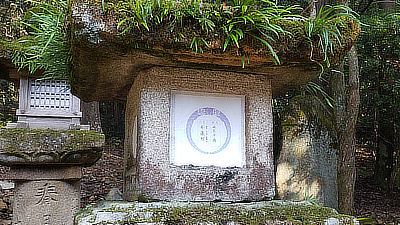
(197, 25)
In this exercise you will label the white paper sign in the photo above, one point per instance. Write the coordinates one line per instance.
(207, 129)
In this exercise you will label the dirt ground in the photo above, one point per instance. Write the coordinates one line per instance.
(370, 200)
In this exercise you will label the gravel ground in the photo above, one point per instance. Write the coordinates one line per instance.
(105, 174)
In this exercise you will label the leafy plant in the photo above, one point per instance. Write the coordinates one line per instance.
(379, 52)
(310, 198)
(48, 50)
(236, 21)
(318, 93)
(326, 30)
(197, 44)
(139, 14)
(233, 24)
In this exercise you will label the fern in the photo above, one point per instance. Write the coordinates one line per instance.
(48, 50)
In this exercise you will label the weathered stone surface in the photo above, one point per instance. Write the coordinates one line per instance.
(148, 170)
(307, 163)
(39, 147)
(41, 202)
(106, 64)
(45, 194)
(271, 212)
(114, 195)
(43, 172)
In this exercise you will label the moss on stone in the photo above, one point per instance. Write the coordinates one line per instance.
(105, 59)
(36, 146)
(7, 48)
(303, 108)
(173, 37)
(214, 213)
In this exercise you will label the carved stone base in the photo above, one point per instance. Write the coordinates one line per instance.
(46, 195)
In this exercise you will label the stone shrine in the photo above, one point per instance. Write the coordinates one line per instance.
(198, 126)
(45, 104)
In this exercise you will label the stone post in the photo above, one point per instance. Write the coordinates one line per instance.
(46, 168)
(307, 161)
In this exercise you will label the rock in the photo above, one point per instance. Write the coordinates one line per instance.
(4, 185)
(332, 221)
(106, 63)
(307, 161)
(114, 195)
(39, 147)
(92, 198)
(3, 206)
(264, 212)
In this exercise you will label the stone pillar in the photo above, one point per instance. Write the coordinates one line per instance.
(307, 164)
(46, 169)
(46, 195)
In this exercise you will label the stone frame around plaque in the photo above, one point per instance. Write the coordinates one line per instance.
(206, 127)
(148, 172)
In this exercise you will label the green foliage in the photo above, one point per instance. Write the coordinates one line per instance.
(232, 23)
(378, 125)
(317, 91)
(235, 24)
(48, 50)
(379, 53)
(327, 31)
(197, 43)
(310, 198)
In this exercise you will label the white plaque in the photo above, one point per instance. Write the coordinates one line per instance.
(207, 129)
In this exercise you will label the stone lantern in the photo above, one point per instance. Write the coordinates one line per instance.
(198, 126)
(46, 169)
(46, 150)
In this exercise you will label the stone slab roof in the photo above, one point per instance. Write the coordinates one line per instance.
(106, 63)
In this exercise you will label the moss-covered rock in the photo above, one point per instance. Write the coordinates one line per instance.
(38, 147)
(306, 164)
(5, 51)
(271, 212)
(105, 63)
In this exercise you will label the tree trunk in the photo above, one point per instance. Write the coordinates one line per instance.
(91, 115)
(346, 117)
(113, 119)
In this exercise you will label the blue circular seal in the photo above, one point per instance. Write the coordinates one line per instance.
(213, 112)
